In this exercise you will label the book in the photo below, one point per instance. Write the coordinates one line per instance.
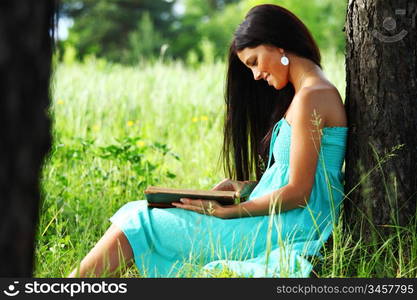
(162, 197)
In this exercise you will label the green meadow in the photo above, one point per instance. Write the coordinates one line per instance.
(117, 129)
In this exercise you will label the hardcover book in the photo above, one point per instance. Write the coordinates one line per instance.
(163, 197)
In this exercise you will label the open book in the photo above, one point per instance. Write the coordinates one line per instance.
(163, 197)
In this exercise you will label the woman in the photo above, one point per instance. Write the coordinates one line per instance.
(274, 83)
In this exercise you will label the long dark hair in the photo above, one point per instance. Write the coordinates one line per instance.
(252, 106)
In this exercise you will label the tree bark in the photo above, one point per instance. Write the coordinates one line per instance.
(25, 66)
(381, 104)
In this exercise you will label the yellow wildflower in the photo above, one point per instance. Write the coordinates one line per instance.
(96, 128)
(140, 143)
(204, 118)
(195, 119)
(130, 123)
(60, 102)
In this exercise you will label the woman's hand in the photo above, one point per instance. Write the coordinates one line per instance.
(206, 207)
(225, 185)
(230, 185)
(244, 187)
(214, 208)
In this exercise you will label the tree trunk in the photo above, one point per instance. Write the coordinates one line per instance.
(381, 103)
(25, 64)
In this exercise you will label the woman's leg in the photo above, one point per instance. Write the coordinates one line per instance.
(108, 257)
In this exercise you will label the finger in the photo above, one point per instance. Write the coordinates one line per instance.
(237, 186)
(222, 182)
(193, 202)
(217, 185)
(189, 207)
(207, 204)
(198, 209)
(204, 206)
(225, 184)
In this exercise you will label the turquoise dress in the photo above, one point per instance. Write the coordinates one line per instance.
(174, 242)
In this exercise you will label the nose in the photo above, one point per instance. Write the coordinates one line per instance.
(257, 75)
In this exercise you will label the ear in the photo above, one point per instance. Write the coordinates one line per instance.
(281, 50)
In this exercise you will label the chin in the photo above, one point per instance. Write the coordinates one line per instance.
(277, 87)
(280, 87)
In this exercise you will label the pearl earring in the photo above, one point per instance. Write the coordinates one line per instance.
(284, 60)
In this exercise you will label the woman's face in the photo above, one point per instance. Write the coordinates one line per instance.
(265, 63)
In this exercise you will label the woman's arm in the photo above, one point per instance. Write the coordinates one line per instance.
(283, 199)
(308, 120)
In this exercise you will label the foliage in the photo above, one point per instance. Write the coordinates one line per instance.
(219, 28)
(194, 27)
(103, 28)
(144, 42)
(130, 30)
(324, 18)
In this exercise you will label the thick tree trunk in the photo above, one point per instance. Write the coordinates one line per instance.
(381, 103)
(25, 64)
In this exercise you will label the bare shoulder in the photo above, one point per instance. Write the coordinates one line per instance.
(326, 101)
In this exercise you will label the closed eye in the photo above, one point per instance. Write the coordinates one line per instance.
(251, 62)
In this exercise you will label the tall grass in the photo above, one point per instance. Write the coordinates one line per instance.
(118, 129)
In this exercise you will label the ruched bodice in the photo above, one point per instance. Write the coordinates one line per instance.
(331, 156)
(332, 150)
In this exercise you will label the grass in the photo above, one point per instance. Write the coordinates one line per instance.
(118, 129)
